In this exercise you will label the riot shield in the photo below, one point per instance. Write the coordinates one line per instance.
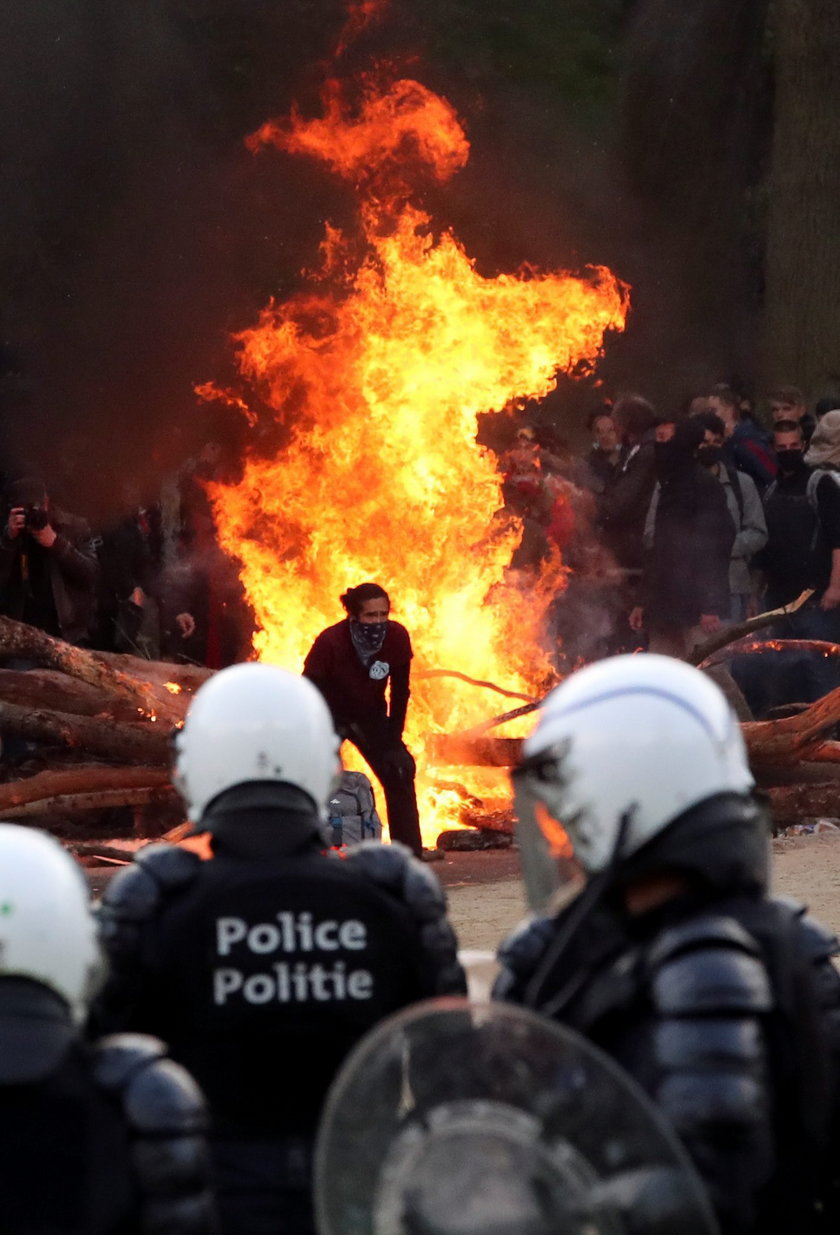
(454, 1118)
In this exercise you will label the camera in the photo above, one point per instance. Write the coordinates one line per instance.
(35, 518)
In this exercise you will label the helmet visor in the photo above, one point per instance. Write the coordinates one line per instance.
(546, 848)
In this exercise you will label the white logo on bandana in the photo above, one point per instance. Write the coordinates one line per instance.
(379, 670)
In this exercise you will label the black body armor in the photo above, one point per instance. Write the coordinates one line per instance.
(723, 1004)
(101, 1140)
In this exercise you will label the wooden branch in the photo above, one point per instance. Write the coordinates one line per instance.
(48, 689)
(19, 639)
(106, 799)
(732, 633)
(84, 778)
(792, 803)
(157, 672)
(750, 647)
(791, 737)
(462, 677)
(461, 750)
(121, 743)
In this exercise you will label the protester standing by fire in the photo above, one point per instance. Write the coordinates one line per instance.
(263, 966)
(351, 663)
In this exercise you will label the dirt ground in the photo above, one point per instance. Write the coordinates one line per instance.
(486, 900)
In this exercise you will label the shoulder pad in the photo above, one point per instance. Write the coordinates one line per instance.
(519, 955)
(526, 943)
(711, 981)
(394, 868)
(384, 864)
(119, 1055)
(704, 932)
(170, 865)
(167, 1117)
(163, 1098)
(158, 1095)
(816, 940)
(134, 894)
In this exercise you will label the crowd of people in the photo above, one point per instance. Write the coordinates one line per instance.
(678, 526)
(164, 1068)
(152, 581)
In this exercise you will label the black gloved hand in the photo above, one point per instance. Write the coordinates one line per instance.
(399, 760)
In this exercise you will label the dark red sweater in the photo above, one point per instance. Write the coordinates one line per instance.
(352, 694)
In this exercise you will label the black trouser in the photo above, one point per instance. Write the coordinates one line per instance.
(393, 766)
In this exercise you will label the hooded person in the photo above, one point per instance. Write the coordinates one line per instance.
(672, 958)
(103, 1138)
(263, 965)
(685, 584)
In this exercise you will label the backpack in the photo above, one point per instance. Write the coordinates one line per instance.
(814, 480)
(352, 811)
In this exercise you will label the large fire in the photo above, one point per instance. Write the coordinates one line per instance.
(376, 373)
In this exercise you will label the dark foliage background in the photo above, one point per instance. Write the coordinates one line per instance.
(138, 231)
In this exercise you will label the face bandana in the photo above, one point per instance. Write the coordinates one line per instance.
(368, 638)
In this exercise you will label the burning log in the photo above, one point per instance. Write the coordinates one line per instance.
(750, 647)
(19, 640)
(732, 633)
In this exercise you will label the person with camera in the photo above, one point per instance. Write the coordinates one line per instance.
(48, 564)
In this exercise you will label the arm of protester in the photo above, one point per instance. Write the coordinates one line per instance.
(752, 535)
(400, 693)
(74, 550)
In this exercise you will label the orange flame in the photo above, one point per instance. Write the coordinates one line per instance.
(376, 374)
(173, 687)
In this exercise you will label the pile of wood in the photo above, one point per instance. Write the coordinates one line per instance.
(99, 730)
(88, 731)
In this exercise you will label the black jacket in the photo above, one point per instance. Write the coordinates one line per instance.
(687, 569)
(623, 506)
(263, 966)
(722, 1003)
(71, 568)
(102, 1139)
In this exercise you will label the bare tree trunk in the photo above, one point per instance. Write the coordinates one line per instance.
(802, 318)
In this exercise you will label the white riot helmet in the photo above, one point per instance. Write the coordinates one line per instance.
(47, 931)
(255, 722)
(624, 747)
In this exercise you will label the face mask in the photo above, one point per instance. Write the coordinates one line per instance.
(368, 638)
(789, 460)
(709, 455)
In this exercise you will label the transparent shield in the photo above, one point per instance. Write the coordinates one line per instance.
(484, 1119)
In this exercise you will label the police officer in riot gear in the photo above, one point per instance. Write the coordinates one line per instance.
(722, 1002)
(262, 966)
(102, 1139)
